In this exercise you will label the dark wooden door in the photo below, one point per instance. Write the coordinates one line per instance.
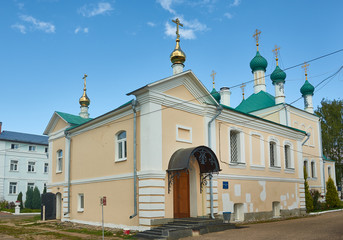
(181, 196)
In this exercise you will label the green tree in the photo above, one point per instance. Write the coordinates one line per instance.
(308, 196)
(20, 199)
(331, 196)
(29, 196)
(331, 115)
(36, 200)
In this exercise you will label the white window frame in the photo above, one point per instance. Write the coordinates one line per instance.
(313, 169)
(13, 187)
(31, 166)
(81, 202)
(291, 155)
(306, 166)
(32, 148)
(14, 163)
(59, 161)
(183, 128)
(46, 168)
(14, 146)
(262, 163)
(277, 162)
(30, 185)
(123, 143)
(329, 172)
(240, 146)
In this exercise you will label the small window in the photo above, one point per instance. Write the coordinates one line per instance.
(46, 167)
(46, 150)
(14, 165)
(313, 169)
(32, 148)
(234, 147)
(287, 156)
(121, 147)
(59, 161)
(272, 150)
(81, 202)
(306, 167)
(329, 171)
(13, 188)
(14, 146)
(31, 167)
(30, 186)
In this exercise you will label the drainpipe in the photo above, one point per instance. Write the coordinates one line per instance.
(134, 105)
(308, 137)
(67, 136)
(220, 109)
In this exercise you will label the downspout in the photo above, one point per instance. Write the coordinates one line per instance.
(134, 105)
(308, 135)
(220, 109)
(286, 113)
(68, 140)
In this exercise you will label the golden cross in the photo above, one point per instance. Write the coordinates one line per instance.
(213, 76)
(84, 83)
(276, 52)
(305, 67)
(257, 36)
(242, 87)
(177, 22)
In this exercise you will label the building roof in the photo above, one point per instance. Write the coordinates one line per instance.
(23, 137)
(328, 159)
(73, 119)
(256, 101)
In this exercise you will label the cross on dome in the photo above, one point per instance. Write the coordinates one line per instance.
(177, 22)
(257, 37)
(276, 52)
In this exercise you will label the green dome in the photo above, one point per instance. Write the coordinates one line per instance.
(215, 94)
(307, 89)
(258, 63)
(278, 75)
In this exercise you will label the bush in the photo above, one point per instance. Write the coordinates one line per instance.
(36, 200)
(315, 196)
(20, 199)
(308, 197)
(331, 196)
(29, 198)
(4, 205)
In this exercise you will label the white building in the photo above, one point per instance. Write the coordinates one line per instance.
(23, 163)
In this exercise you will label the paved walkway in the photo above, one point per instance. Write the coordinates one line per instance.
(324, 226)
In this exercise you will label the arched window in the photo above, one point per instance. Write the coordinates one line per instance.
(59, 161)
(287, 156)
(329, 171)
(272, 154)
(121, 149)
(313, 169)
(306, 167)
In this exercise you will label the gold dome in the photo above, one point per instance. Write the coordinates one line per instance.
(84, 100)
(177, 56)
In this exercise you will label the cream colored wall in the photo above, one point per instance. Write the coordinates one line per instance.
(59, 125)
(182, 93)
(271, 116)
(327, 165)
(58, 144)
(93, 152)
(119, 202)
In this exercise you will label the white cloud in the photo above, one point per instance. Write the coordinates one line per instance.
(151, 24)
(80, 29)
(91, 10)
(38, 25)
(20, 27)
(20, 6)
(235, 3)
(188, 31)
(228, 15)
(166, 4)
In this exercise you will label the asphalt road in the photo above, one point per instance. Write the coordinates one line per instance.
(324, 226)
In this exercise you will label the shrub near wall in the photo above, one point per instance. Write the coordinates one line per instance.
(331, 196)
(308, 197)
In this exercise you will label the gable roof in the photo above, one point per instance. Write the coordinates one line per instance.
(23, 137)
(73, 119)
(256, 101)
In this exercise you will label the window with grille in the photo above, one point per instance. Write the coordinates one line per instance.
(234, 146)
(272, 149)
(287, 156)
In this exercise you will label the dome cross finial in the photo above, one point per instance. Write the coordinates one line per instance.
(177, 22)
(242, 87)
(305, 67)
(213, 75)
(84, 83)
(257, 37)
(276, 52)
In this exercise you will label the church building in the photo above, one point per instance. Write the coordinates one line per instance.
(177, 151)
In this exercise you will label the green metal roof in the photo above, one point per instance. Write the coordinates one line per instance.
(328, 159)
(256, 101)
(278, 75)
(307, 89)
(258, 63)
(73, 119)
(215, 94)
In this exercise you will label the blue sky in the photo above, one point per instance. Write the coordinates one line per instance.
(47, 45)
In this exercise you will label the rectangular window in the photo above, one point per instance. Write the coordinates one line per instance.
(59, 161)
(306, 167)
(14, 165)
(272, 150)
(14, 146)
(81, 202)
(32, 148)
(313, 170)
(46, 167)
(234, 146)
(31, 167)
(287, 156)
(13, 188)
(46, 149)
(31, 186)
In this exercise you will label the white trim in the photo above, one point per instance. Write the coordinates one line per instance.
(314, 174)
(151, 199)
(151, 183)
(262, 160)
(148, 174)
(151, 191)
(291, 154)
(240, 147)
(116, 146)
(259, 178)
(277, 162)
(183, 128)
(80, 196)
(151, 214)
(151, 206)
(103, 179)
